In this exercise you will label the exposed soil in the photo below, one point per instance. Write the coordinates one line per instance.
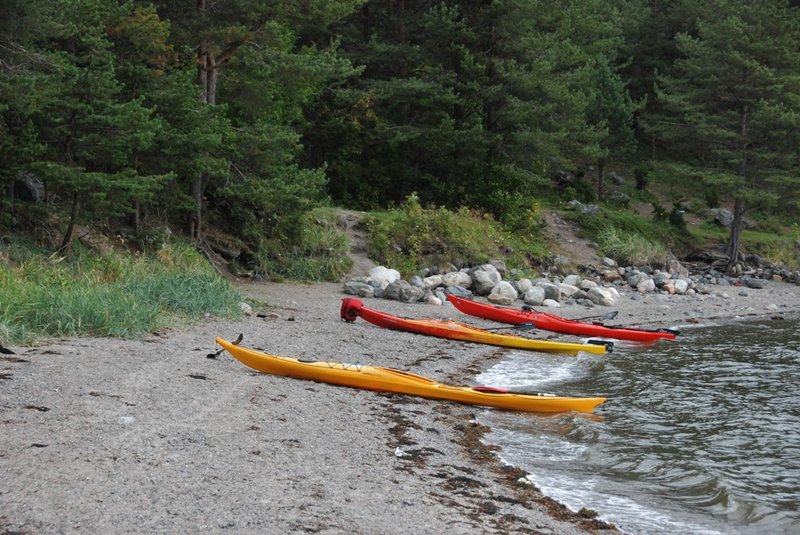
(350, 221)
(566, 241)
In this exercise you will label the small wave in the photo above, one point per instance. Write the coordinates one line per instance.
(525, 371)
(698, 436)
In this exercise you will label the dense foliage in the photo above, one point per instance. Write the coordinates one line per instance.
(246, 114)
(412, 237)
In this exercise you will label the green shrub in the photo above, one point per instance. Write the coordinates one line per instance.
(321, 252)
(412, 237)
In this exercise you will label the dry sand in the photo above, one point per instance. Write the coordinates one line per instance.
(151, 436)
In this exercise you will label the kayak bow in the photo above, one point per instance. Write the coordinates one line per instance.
(390, 380)
(352, 308)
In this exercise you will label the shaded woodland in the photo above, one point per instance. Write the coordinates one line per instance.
(242, 115)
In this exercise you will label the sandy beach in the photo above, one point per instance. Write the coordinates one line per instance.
(151, 436)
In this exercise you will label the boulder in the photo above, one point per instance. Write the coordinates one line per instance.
(381, 276)
(534, 297)
(551, 291)
(29, 188)
(523, 285)
(567, 290)
(588, 209)
(431, 299)
(457, 278)
(416, 280)
(681, 286)
(646, 285)
(601, 296)
(587, 285)
(674, 267)
(434, 281)
(500, 265)
(361, 289)
(458, 291)
(484, 279)
(403, 291)
(661, 278)
(721, 216)
(503, 294)
(756, 284)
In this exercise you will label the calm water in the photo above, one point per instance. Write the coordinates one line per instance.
(701, 435)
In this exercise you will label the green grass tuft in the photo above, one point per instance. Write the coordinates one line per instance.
(631, 249)
(107, 295)
(320, 253)
(630, 239)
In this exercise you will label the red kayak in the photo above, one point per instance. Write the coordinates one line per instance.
(549, 322)
(352, 308)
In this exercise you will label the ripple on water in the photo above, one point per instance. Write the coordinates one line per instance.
(699, 435)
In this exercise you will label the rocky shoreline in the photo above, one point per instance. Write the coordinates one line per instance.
(602, 287)
(143, 436)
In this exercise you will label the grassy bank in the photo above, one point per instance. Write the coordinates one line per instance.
(319, 251)
(412, 237)
(105, 295)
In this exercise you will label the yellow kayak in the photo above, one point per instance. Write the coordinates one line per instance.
(391, 380)
(454, 330)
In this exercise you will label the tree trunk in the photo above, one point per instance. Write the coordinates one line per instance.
(739, 205)
(11, 199)
(66, 243)
(207, 80)
(601, 168)
(641, 179)
(207, 84)
(734, 239)
(137, 217)
(196, 215)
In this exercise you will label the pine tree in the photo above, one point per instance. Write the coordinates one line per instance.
(89, 132)
(733, 103)
(611, 110)
(248, 64)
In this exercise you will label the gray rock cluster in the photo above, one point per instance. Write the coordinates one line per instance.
(492, 281)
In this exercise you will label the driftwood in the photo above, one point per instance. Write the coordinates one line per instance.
(219, 263)
(705, 261)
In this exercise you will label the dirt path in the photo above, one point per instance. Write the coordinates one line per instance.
(350, 221)
(564, 237)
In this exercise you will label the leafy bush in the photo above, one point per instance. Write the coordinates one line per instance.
(412, 237)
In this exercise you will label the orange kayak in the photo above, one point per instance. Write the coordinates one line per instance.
(353, 308)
